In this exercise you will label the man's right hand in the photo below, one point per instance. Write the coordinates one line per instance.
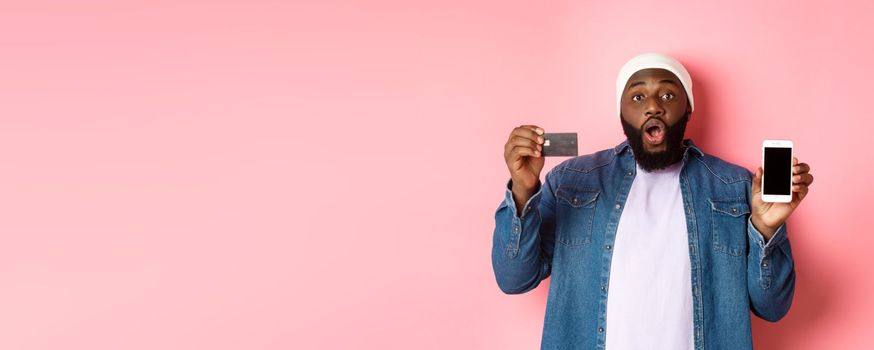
(522, 152)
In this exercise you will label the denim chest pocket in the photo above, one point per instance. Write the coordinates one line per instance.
(729, 222)
(575, 214)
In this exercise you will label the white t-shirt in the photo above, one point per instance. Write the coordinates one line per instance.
(649, 300)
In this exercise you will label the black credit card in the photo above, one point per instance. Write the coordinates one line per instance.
(560, 144)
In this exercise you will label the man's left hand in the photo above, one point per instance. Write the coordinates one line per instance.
(767, 217)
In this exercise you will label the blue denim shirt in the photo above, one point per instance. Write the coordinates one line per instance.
(567, 228)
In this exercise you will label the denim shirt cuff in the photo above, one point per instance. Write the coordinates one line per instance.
(757, 237)
(532, 202)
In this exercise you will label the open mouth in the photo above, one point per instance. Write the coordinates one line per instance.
(654, 131)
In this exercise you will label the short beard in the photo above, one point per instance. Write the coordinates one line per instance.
(659, 160)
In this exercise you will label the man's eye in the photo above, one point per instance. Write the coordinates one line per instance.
(637, 98)
(668, 96)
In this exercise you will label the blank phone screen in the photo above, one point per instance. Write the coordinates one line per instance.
(778, 166)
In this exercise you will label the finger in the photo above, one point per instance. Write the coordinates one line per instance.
(527, 133)
(798, 187)
(794, 160)
(757, 181)
(805, 179)
(534, 128)
(522, 151)
(800, 168)
(522, 132)
(801, 191)
(522, 141)
(532, 131)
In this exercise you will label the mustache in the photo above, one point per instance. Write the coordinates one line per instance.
(659, 118)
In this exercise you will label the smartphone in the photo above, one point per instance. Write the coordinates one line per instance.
(777, 165)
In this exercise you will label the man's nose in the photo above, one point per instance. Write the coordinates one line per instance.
(654, 107)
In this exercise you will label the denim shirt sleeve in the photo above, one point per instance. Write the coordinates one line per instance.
(770, 273)
(523, 243)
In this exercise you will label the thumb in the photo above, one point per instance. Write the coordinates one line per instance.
(757, 181)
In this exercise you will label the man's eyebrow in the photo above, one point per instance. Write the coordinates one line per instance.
(641, 82)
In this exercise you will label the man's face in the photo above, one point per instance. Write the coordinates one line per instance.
(654, 110)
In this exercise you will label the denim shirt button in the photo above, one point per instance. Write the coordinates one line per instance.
(618, 206)
(628, 173)
(600, 329)
(608, 247)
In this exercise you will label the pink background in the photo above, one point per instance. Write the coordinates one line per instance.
(324, 175)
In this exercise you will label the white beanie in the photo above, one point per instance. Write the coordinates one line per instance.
(652, 60)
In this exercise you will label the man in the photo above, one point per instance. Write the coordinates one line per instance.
(653, 244)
